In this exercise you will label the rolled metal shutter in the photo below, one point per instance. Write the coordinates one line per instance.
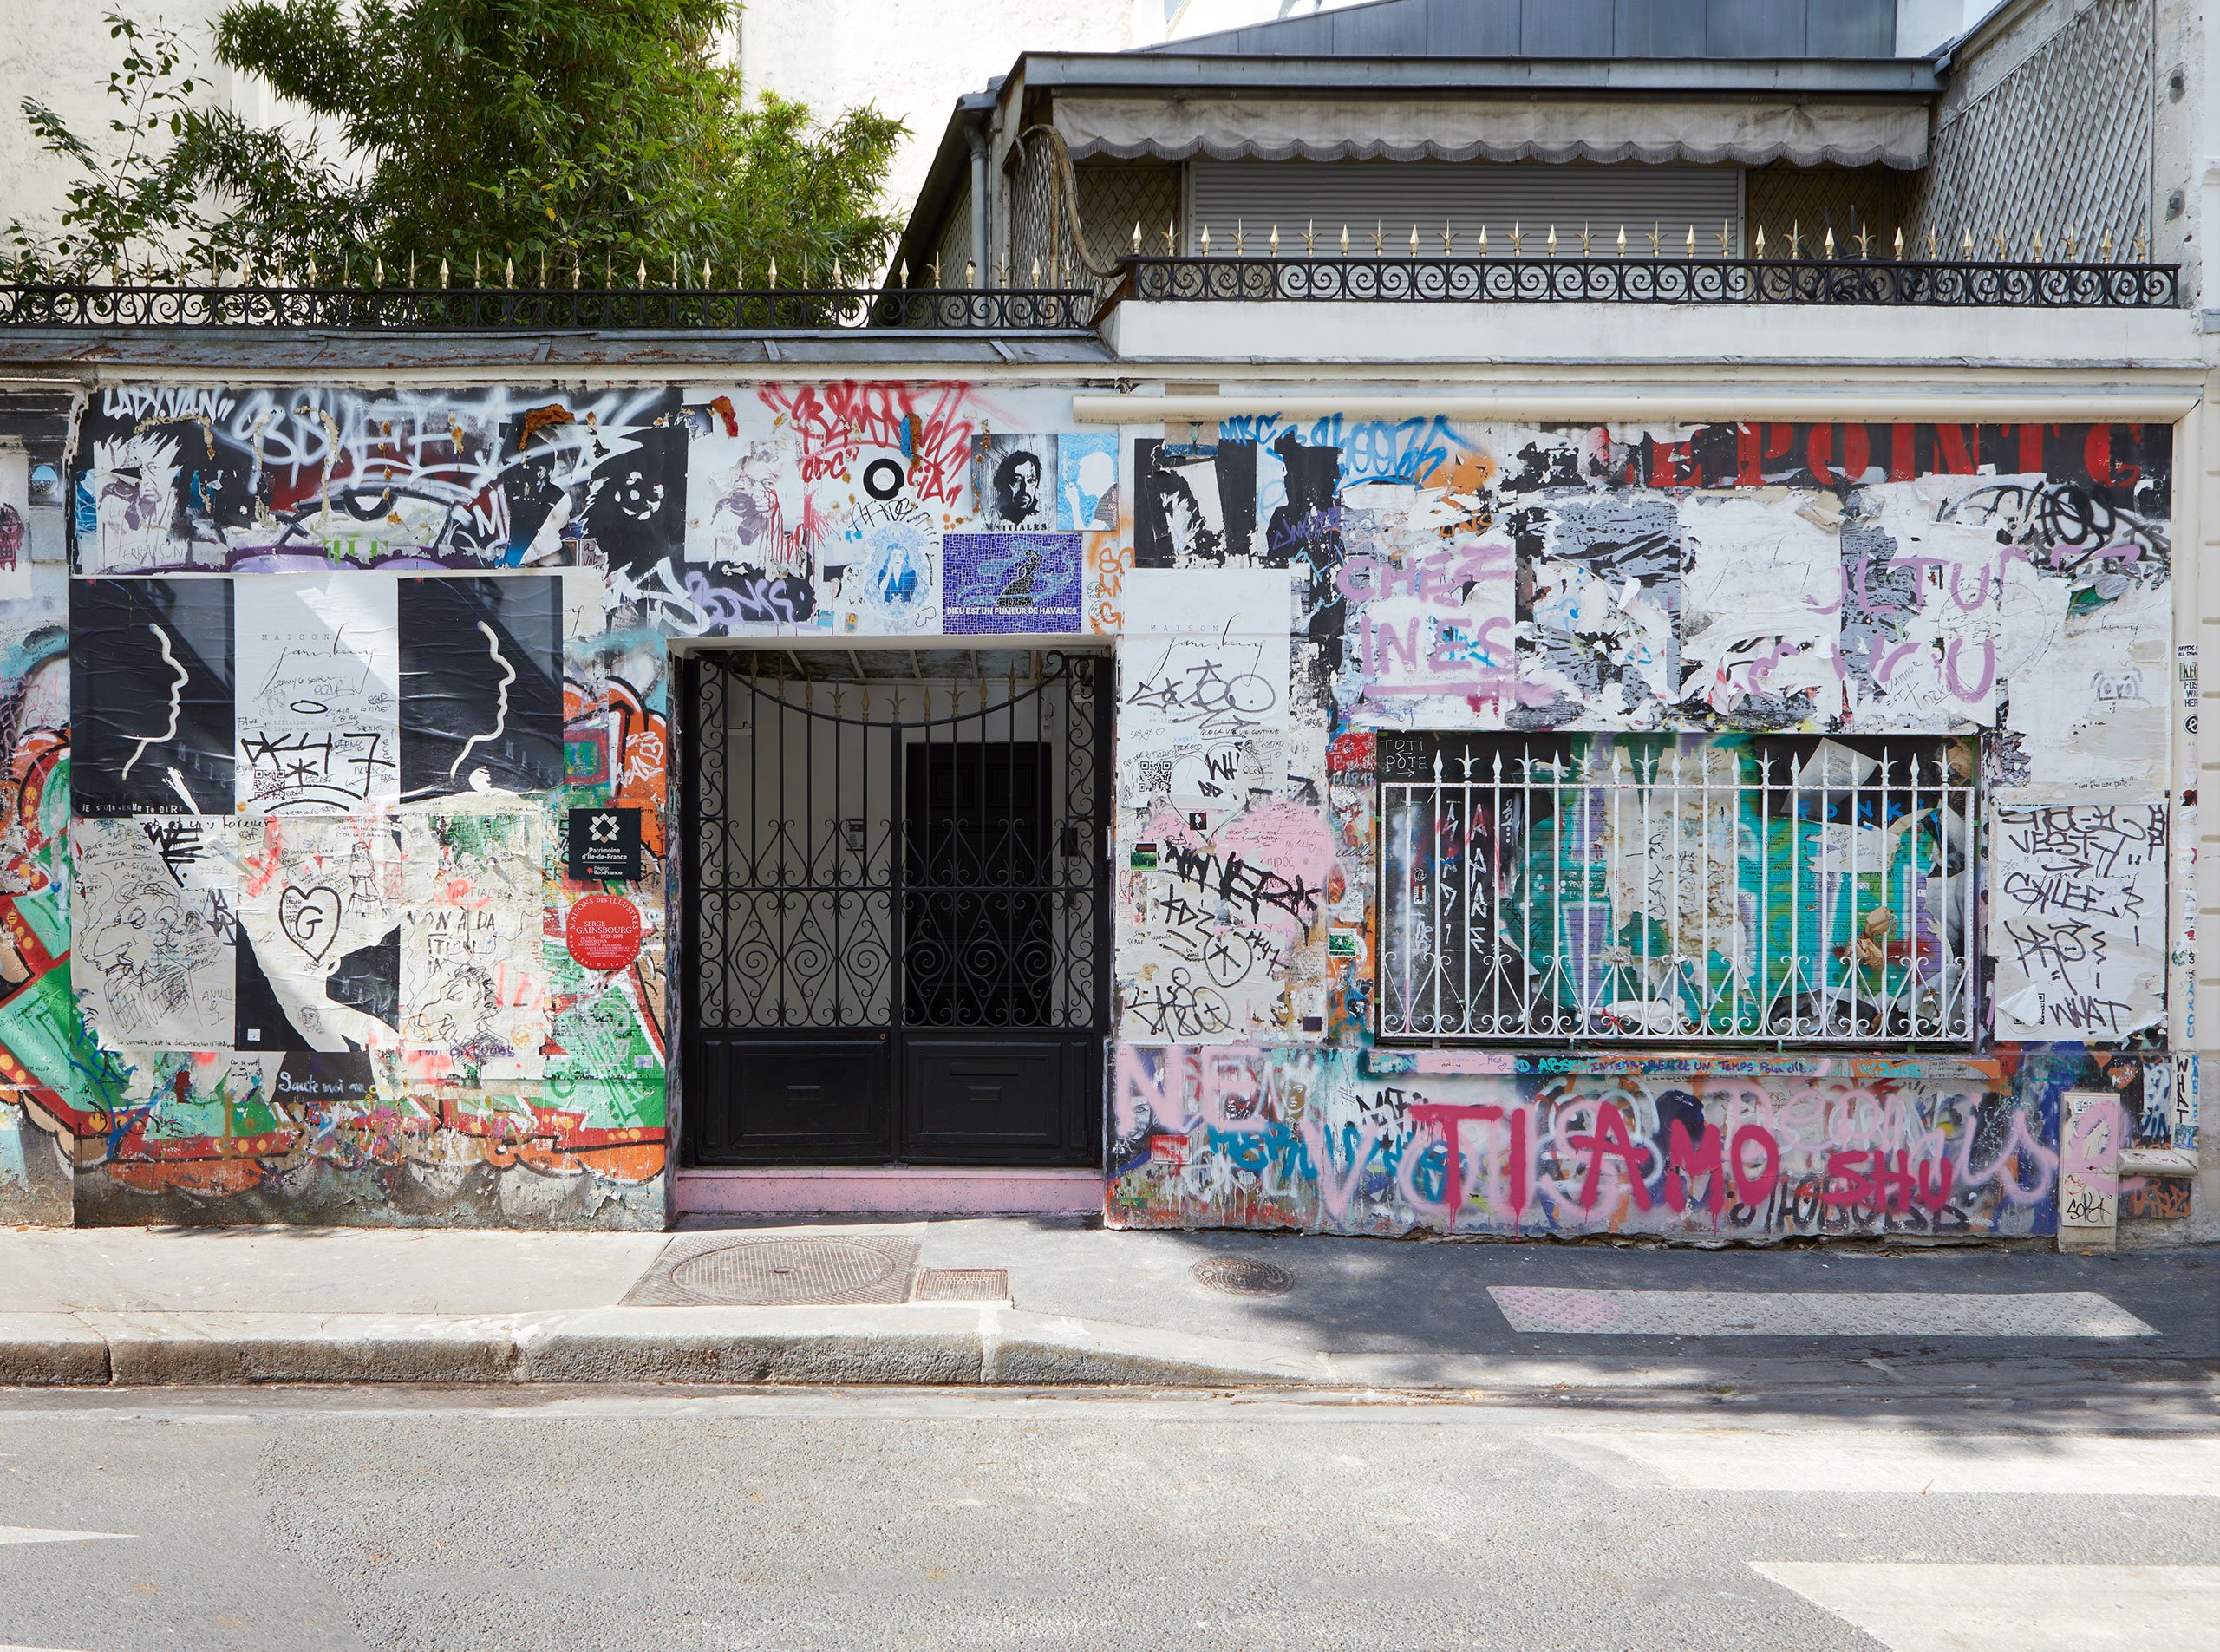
(1391, 198)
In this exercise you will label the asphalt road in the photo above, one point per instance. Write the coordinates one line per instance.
(414, 1518)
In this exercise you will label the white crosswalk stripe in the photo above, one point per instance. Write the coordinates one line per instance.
(1882, 1461)
(1917, 1607)
(1562, 1311)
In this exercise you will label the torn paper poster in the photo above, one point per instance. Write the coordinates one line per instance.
(1599, 613)
(150, 685)
(474, 1001)
(1920, 613)
(1430, 620)
(319, 933)
(1203, 715)
(15, 524)
(747, 505)
(1760, 585)
(2078, 920)
(2089, 699)
(153, 924)
(1193, 503)
(319, 694)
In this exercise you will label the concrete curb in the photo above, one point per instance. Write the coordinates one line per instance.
(919, 1345)
(930, 1345)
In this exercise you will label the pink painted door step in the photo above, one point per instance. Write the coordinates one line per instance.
(886, 1190)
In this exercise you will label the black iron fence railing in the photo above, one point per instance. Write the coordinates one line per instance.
(590, 309)
(1654, 280)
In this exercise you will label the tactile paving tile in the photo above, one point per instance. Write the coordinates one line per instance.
(1813, 1313)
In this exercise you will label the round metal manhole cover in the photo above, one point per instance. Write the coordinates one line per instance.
(773, 1273)
(1244, 1277)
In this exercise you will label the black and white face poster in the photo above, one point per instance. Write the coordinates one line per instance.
(150, 687)
(481, 685)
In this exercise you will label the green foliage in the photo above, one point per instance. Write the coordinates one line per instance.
(585, 137)
(130, 195)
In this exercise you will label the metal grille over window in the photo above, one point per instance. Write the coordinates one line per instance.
(1745, 889)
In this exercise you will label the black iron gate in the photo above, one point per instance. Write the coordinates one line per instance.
(895, 914)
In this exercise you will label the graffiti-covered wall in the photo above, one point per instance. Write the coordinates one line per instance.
(1723, 831)
(354, 666)
(1833, 858)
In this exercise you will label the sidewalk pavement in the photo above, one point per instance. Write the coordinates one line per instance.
(1084, 1305)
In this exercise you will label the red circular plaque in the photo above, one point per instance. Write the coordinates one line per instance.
(603, 931)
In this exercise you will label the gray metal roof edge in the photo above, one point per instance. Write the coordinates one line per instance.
(1381, 76)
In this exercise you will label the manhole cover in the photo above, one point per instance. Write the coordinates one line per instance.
(1244, 1277)
(780, 1273)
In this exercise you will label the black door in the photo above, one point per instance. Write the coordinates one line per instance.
(893, 927)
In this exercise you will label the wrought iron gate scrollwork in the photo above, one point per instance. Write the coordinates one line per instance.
(897, 884)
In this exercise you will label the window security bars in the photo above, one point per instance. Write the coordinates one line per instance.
(1698, 889)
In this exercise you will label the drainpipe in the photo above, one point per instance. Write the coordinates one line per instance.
(979, 204)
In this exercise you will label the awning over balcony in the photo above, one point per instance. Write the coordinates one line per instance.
(1804, 131)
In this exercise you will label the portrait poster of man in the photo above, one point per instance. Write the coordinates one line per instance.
(1193, 502)
(1013, 479)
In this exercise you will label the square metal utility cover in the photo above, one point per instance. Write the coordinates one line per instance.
(963, 1285)
(724, 1271)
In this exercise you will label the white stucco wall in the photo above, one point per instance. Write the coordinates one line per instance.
(63, 56)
